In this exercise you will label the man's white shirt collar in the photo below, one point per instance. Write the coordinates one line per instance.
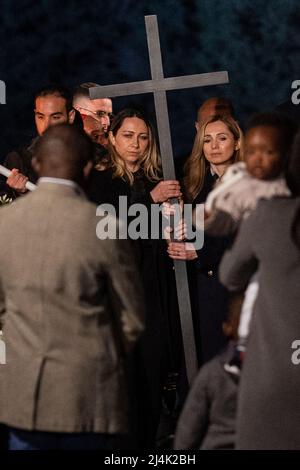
(62, 181)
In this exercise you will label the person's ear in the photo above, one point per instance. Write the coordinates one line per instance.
(112, 138)
(36, 165)
(71, 116)
(197, 126)
(87, 169)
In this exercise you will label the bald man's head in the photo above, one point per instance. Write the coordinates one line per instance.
(63, 151)
(214, 107)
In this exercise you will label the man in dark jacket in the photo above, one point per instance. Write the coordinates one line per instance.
(52, 105)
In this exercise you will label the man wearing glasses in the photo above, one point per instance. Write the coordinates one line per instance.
(100, 109)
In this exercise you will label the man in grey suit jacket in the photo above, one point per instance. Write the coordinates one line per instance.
(71, 306)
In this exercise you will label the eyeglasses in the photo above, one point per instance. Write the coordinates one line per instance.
(99, 114)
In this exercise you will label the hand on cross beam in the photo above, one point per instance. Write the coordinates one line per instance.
(177, 247)
(183, 251)
(165, 190)
(178, 234)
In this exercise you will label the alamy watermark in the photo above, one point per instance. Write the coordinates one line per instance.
(139, 221)
(2, 92)
(296, 94)
(2, 350)
(295, 358)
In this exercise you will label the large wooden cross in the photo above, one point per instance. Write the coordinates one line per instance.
(158, 85)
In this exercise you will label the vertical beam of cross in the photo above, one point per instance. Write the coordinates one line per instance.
(160, 98)
(165, 143)
(158, 85)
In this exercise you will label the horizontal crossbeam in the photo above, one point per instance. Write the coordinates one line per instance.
(163, 84)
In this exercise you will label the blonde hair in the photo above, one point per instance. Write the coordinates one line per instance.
(150, 161)
(196, 164)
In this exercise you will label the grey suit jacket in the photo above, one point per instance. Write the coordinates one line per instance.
(72, 306)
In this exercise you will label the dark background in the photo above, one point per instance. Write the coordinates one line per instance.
(71, 42)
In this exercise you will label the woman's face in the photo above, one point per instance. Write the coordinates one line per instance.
(131, 141)
(219, 144)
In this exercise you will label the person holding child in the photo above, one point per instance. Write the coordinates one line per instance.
(268, 142)
(269, 240)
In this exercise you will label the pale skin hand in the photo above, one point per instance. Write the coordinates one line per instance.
(165, 190)
(179, 233)
(177, 249)
(17, 181)
(170, 209)
(182, 251)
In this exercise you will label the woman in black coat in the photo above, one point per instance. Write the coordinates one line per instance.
(217, 145)
(134, 174)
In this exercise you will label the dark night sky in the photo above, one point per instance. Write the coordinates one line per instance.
(257, 41)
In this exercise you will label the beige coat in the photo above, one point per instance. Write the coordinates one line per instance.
(71, 306)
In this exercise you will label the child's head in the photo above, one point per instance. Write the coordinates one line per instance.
(268, 142)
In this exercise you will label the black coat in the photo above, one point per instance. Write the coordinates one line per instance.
(209, 297)
(160, 350)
